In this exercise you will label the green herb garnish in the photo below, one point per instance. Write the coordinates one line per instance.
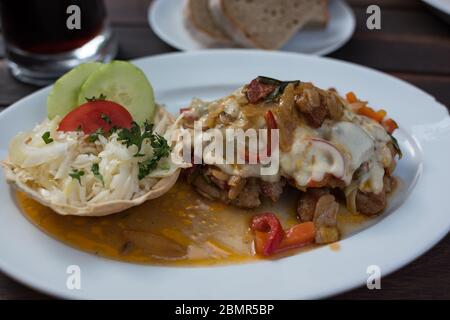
(94, 136)
(279, 87)
(94, 98)
(46, 137)
(96, 171)
(134, 136)
(396, 146)
(160, 150)
(113, 129)
(77, 174)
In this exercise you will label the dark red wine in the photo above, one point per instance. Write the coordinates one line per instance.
(40, 26)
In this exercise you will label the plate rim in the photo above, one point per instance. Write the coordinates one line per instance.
(438, 5)
(38, 285)
(161, 34)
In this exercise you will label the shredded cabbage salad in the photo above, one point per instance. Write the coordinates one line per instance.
(72, 168)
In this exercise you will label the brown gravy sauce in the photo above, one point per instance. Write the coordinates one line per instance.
(181, 228)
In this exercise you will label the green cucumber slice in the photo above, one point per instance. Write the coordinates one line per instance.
(64, 95)
(125, 84)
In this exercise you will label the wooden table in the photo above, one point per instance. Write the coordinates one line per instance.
(413, 45)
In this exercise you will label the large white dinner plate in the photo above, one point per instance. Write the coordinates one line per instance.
(416, 219)
(166, 19)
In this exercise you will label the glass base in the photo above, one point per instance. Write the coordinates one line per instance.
(43, 69)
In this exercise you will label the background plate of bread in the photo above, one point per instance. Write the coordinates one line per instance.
(308, 26)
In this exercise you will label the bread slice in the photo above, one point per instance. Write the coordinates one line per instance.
(320, 17)
(202, 26)
(265, 24)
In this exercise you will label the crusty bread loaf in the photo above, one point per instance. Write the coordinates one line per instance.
(265, 24)
(320, 16)
(202, 26)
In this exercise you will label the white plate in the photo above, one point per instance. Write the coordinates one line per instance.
(416, 219)
(166, 19)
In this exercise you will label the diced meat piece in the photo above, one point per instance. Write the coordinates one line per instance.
(218, 174)
(215, 184)
(311, 107)
(319, 206)
(389, 183)
(236, 185)
(219, 183)
(369, 203)
(316, 116)
(225, 118)
(272, 190)
(306, 205)
(316, 105)
(249, 197)
(257, 91)
(219, 178)
(334, 106)
(325, 219)
(325, 213)
(206, 189)
(327, 235)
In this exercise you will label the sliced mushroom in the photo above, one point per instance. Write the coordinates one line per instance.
(325, 219)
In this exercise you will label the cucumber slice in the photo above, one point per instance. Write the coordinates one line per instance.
(64, 95)
(125, 84)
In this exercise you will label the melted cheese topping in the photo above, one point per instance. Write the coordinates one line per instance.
(338, 148)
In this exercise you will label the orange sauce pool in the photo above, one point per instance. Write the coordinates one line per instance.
(179, 228)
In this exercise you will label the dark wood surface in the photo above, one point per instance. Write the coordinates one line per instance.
(414, 45)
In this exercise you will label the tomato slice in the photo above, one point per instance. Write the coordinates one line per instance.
(93, 115)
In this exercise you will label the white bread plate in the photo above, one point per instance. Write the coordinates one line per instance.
(168, 21)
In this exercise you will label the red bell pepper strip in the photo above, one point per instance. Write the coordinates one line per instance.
(269, 233)
(298, 236)
(270, 238)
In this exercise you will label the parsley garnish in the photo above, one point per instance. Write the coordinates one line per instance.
(134, 136)
(160, 150)
(96, 171)
(94, 98)
(113, 129)
(99, 132)
(46, 137)
(94, 136)
(77, 174)
(106, 119)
